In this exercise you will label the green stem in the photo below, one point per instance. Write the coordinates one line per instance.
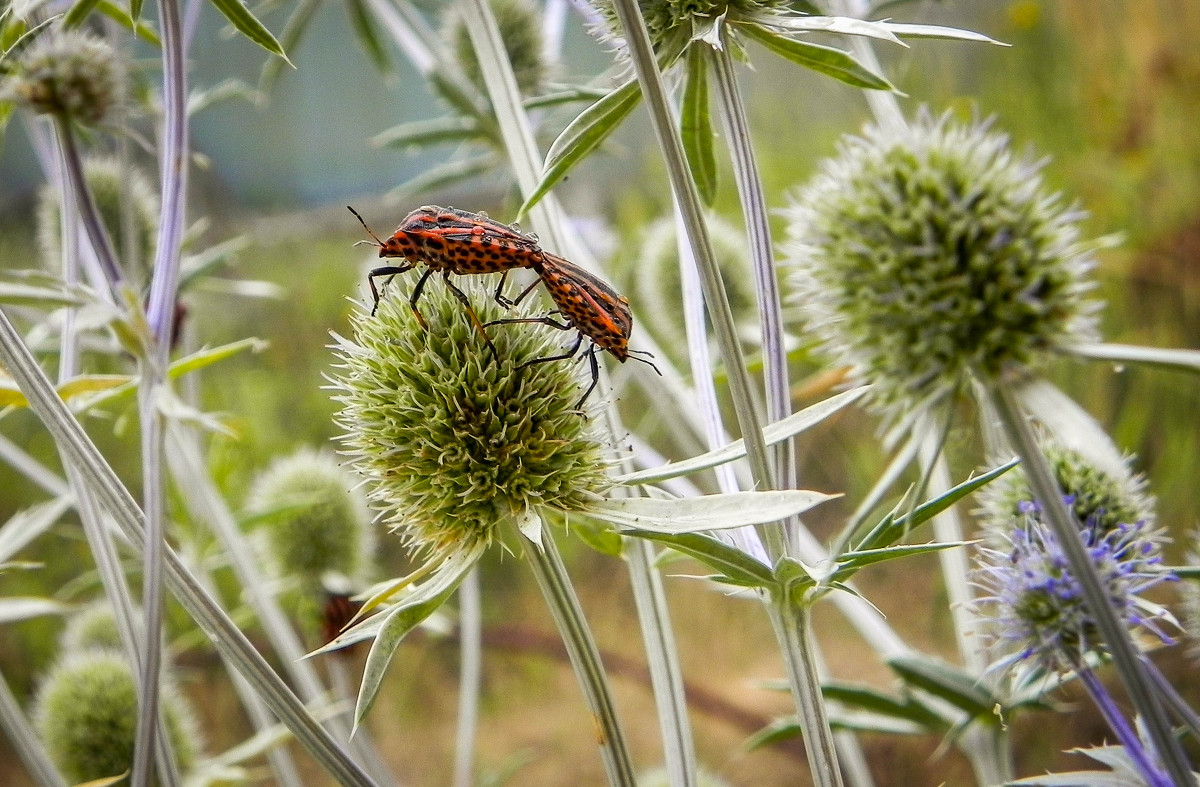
(470, 648)
(666, 131)
(1125, 656)
(792, 624)
(552, 580)
(665, 675)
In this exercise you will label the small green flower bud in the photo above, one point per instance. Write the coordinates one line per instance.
(87, 716)
(674, 23)
(521, 31)
(925, 256)
(92, 627)
(110, 183)
(67, 73)
(1099, 500)
(317, 522)
(453, 439)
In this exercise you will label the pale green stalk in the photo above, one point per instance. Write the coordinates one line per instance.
(801, 667)
(99, 538)
(470, 675)
(1138, 684)
(25, 741)
(653, 615)
(666, 676)
(552, 580)
(688, 201)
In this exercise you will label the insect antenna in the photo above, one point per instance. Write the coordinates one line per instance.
(633, 355)
(374, 237)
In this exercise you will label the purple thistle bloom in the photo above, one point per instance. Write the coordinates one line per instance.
(1035, 604)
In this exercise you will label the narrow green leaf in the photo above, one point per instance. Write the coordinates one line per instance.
(568, 95)
(822, 59)
(870, 699)
(1080, 779)
(1162, 357)
(708, 512)
(851, 562)
(29, 523)
(953, 685)
(695, 126)
(443, 175)
(78, 13)
(582, 136)
(368, 38)
(140, 29)
(890, 528)
(248, 25)
(434, 131)
(210, 355)
(404, 617)
(293, 32)
(135, 11)
(16, 36)
(714, 553)
(13, 610)
(782, 729)
(777, 432)
(937, 31)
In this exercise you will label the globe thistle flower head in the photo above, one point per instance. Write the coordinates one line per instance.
(111, 184)
(452, 438)
(68, 73)
(521, 31)
(93, 626)
(317, 523)
(673, 24)
(86, 713)
(927, 256)
(1104, 500)
(1035, 605)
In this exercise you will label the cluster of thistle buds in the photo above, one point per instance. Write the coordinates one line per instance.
(458, 242)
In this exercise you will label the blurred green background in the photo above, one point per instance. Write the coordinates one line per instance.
(1108, 89)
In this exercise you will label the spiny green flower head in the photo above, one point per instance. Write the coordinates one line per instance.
(1098, 498)
(86, 713)
(318, 522)
(674, 23)
(1035, 605)
(520, 26)
(92, 627)
(925, 257)
(67, 73)
(451, 439)
(111, 183)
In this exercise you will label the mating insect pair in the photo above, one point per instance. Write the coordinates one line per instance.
(458, 242)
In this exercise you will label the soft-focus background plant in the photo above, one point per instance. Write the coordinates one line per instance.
(1106, 89)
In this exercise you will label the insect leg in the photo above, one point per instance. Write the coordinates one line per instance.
(462, 297)
(595, 366)
(525, 292)
(416, 295)
(386, 270)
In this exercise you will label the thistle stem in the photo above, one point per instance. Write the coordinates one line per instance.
(1125, 656)
(556, 588)
(792, 624)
